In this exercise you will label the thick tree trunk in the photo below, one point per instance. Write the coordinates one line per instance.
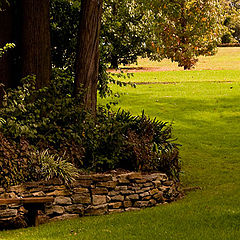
(35, 40)
(87, 58)
(6, 36)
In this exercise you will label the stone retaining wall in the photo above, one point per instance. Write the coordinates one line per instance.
(90, 195)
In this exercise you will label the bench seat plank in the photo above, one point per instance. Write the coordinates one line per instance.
(30, 200)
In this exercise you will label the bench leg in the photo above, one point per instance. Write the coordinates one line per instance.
(32, 217)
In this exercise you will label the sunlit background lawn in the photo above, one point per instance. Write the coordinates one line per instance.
(227, 58)
(204, 107)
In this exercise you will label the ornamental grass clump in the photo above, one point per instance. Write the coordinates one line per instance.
(48, 166)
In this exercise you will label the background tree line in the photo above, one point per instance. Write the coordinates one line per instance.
(66, 34)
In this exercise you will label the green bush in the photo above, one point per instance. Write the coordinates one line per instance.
(120, 140)
(52, 118)
(20, 162)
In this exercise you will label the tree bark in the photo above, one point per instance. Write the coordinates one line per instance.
(114, 62)
(87, 58)
(6, 36)
(35, 40)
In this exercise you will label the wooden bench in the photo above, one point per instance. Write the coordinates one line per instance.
(32, 204)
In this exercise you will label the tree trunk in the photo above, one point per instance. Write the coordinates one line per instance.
(87, 58)
(6, 36)
(35, 40)
(114, 62)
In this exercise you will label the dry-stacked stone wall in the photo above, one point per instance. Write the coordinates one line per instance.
(95, 194)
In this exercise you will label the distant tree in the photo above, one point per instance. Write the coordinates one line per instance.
(64, 18)
(126, 30)
(187, 29)
(232, 20)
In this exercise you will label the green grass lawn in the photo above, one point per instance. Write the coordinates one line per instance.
(204, 107)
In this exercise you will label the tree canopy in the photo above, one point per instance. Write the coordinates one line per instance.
(187, 29)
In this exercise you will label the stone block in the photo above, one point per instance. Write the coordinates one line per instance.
(152, 202)
(110, 184)
(133, 197)
(164, 189)
(115, 205)
(17, 189)
(99, 199)
(127, 192)
(8, 213)
(39, 194)
(119, 198)
(134, 176)
(96, 210)
(82, 199)
(102, 177)
(62, 201)
(142, 180)
(145, 189)
(132, 209)
(80, 190)
(12, 195)
(54, 181)
(147, 197)
(140, 204)
(120, 188)
(84, 177)
(154, 191)
(148, 184)
(168, 183)
(14, 206)
(75, 209)
(119, 210)
(99, 191)
(82, 183)
(127, 204)
(162, 176)
(55, 210)
(123, 179)
(158, 196)
(64, 217)
(142, 195)
(157, 184)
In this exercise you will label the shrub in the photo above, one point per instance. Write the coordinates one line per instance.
(52, 118)
(13, 161)
(120, 140)
(21, 163)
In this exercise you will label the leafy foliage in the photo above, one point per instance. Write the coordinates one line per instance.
(64, 29)
(51, 118)
(6, 47)
(126, 31)
(120, 140)
(232, 21)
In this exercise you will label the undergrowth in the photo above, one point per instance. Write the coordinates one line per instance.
(53, 124)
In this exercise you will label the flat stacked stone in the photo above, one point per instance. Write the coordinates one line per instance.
(94, 194)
